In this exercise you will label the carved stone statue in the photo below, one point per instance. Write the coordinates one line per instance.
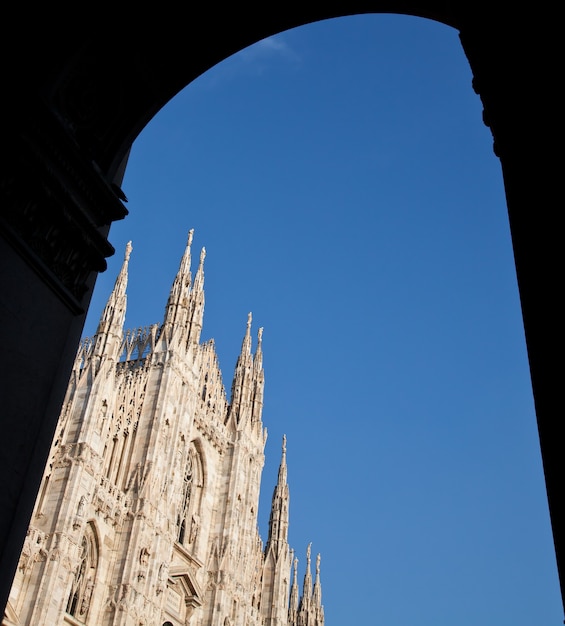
(144, 556)
(194, 525)
(81, 506)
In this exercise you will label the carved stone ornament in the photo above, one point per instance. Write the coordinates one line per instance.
(58, 224)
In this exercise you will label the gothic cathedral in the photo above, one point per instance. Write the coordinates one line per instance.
(147, 513)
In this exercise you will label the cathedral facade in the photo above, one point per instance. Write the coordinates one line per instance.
(147, 513)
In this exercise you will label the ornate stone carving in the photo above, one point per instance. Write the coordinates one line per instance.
(57, 224)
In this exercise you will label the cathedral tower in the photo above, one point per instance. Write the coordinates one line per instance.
(147, 513)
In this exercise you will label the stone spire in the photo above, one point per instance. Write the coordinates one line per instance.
(293, 600)
(246, 343)
(185, 307)
(109, 334)
(277, 554)
(196, 303)
(258, 383)
(305, 608)
(258, 360)
(240, 402)
(248, 383)
(278, 522)
(176, 311)
(317, 607)
(307, 587)
(310, 610)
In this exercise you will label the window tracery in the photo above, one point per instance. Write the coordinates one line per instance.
(188, 518)
(84, 578)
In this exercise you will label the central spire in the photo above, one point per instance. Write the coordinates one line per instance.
(185, 307)
(177, 303)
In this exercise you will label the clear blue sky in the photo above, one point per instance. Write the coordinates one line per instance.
(344, 186)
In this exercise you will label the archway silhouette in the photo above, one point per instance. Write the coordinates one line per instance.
(92, 140)
(183, 182)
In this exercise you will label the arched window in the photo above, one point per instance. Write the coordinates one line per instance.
(186, 495)
(188, 518)
(84, 578)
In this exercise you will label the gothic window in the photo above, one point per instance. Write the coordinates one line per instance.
(188, 518)
(187, 488)
(84, 577)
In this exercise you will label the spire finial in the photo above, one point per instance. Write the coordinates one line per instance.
(120, 285)
(284, 444)
(190, 235)
(258, 363)
(317, 595)
(307, 586)
(199, 280)
(246, 345)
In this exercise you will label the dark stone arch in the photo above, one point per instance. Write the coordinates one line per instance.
(78, 90)
(108, 103)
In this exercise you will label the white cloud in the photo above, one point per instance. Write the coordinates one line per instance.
(254, 60)
(269, 47)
